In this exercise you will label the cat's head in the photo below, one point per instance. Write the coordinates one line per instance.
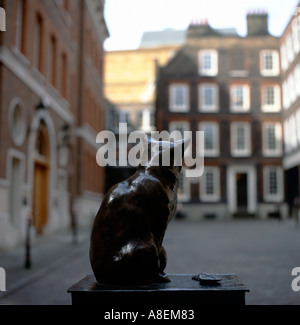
(166, 154)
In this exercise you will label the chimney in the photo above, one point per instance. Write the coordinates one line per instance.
(257, 23)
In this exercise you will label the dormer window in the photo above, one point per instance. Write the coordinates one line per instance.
(269, 63)
(208, 62)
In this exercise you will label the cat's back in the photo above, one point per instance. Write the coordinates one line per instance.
(138, 190)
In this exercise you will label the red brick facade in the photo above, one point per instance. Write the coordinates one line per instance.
(229, 87)
(51, 54)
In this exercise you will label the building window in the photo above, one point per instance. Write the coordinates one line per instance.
(283, 54)
(271, 98)
(269, 63)
(179, 98)
(66, 5)
(296, 34)
(211, 138)
(64, 77)
(210, 184)
(240, 98)
(208, 97)
(297, 79)
(208, 62)
(290, 133)
(38, 43)
(272, 139)
(21, 25)
(52, 60)
(181, 127)
(287, 145)
(240, 139)
(273, 184)
(289, 48)
(17, 122)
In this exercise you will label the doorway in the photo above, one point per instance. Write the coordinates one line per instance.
(40, 181)
(40, 197)
(242, 191)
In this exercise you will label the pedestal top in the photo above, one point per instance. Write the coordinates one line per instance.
(179, 282)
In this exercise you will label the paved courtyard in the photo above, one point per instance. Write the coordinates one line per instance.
(261, 253)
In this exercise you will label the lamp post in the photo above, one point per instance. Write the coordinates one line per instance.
(66, 143)
(27, 241)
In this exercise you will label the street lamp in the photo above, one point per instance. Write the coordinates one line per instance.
(41, 105)
(27, 241)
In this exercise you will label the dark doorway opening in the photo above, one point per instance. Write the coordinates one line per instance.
(291, 187)
(242, 191)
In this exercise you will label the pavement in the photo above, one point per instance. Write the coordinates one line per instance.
(262, 253)
(47, 255)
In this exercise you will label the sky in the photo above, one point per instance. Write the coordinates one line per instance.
(127, 20)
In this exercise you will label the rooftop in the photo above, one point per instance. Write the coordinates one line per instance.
(172, 37)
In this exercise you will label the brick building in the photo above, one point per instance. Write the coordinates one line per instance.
(290, 65)
(51, 108)
(229, 87)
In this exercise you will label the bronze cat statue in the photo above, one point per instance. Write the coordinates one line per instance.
(128, 231)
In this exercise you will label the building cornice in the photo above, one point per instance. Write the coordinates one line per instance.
(96, 10)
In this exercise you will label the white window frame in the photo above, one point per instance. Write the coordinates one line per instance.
(267, 151)
(289, 48)
(215, 196)
(297, 79)
(215, 151)
(291, 88)
(287, 141)
(17, 128)
(293, 131)
(273, 197)
(185, 126)
(212, 70)
(202, 105)
(276, 105)
(266, 71)
(296, 34)
(245, 106)
(236, 152)
(173, 106)
(285, 95)
(283, 54)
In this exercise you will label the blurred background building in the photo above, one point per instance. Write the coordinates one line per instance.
(51, 108)
(130, 76)
(229, 87)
